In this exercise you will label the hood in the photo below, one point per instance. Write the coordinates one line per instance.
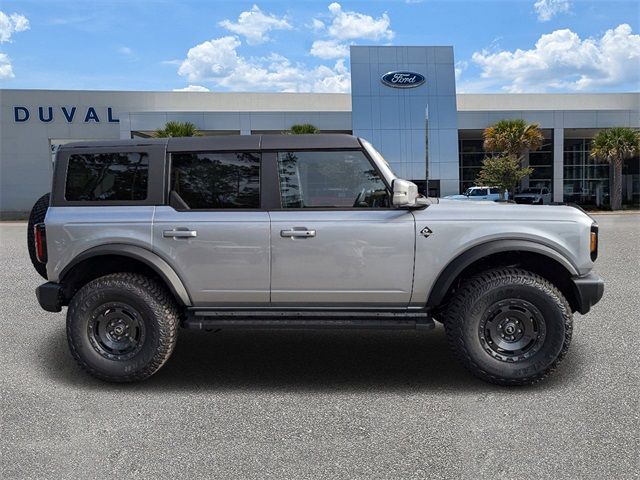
(453, 210)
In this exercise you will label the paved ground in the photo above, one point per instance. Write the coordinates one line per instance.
(321, 404)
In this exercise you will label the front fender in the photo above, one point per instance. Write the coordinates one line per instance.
(456, 266)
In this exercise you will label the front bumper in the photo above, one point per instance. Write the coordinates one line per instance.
(50, 296)
(589, 290)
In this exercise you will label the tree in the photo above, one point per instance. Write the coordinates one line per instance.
(504, 172)
(615, 145)
(303, 128)
(177, 129)
(510, 140)
(513, 138)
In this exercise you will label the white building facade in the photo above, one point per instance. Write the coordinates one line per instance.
(403, 101)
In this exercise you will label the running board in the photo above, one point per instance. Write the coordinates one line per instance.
(217, 319)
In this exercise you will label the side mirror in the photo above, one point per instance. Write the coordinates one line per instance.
(405, 194)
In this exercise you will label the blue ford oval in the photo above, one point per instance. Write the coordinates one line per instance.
(400, 79)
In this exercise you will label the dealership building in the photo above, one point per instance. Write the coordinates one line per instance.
(403, 100)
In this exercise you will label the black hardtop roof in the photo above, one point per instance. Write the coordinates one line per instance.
(230, 142)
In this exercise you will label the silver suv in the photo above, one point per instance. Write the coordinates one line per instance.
(140, 237)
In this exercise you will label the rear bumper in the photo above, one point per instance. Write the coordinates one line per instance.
(589, 290)
(50, 296)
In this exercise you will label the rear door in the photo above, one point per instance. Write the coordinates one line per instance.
(214, 232)
(335, 240)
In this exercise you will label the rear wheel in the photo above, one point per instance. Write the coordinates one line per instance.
(122, 327)
(509, 326)
(38, 212)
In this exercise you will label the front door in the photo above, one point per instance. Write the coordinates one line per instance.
(214, 234)
(336, 242)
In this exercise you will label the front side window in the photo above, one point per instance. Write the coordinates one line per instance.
(341, 179)
(216, 180)
(100, 177)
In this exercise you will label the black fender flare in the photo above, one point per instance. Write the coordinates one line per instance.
(456, 266)
(149, 258)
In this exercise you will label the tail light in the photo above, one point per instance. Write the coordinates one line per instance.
(594, 242)
(40, 235)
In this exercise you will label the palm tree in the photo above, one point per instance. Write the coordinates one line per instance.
(177, 129)
(513, 138)
(615, 145)
(303, 128)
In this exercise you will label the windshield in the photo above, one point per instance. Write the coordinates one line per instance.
(475, 192)
(531, 190)
(383, 165)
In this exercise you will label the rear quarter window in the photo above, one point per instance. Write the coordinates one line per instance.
(97, 177)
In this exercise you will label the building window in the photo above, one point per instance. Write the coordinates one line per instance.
(542, 163)
(472, 154)
(104, 177)
(586, 180)
(207, 181)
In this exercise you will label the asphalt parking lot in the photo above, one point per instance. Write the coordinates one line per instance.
(327, 404)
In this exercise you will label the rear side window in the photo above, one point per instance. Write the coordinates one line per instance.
(494, 191)
(216, 180)
(107, 177)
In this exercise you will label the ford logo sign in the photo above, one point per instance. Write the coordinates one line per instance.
(403, 79)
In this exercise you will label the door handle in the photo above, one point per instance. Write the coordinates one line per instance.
(297, 233)
(176, 233)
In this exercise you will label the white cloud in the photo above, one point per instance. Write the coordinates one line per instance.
(562, 61)
(127, 51)
(10, 24)
(254, 25)
(6, 70)
(328, 49)
(351, 25)
(192, 88)
(460, 67)
(317, 25)
(345, 25)
(547, 9)
(217, 61)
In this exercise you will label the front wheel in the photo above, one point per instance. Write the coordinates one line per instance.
(122, 327)
(509, 326)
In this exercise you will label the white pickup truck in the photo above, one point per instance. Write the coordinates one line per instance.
(479, 193)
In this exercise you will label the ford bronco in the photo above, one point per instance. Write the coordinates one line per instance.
(140, 237)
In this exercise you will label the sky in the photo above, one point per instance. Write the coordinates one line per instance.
(303, 46)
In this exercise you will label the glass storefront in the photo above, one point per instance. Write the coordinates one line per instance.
(472, 154)
(542, 163)
(587, 180)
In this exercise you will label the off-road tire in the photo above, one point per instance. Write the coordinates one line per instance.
(156, 312)
(466, 317)
(36, 216)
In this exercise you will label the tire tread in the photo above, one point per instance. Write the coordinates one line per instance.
(158, 300)
(476, 286)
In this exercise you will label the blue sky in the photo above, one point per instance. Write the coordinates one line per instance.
(500, 46)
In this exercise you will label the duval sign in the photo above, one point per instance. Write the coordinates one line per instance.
(69, 114)
(402, 79)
